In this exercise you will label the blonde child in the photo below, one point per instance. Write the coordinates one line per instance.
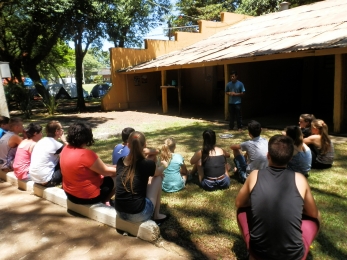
(175, 175)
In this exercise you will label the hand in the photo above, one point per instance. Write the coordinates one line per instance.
(232, 93)
(165, 163)
(63, 138)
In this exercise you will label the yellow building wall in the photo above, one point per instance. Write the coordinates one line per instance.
(120, 95)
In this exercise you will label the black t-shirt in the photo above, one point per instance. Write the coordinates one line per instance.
(126, 201)
(275, 229)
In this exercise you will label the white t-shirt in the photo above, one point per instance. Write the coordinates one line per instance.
(44, 158)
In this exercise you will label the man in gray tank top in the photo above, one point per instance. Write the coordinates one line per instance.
(276, 212)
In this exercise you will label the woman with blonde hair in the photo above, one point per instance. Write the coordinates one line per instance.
(138, 184)
(321, 146)
(175, 175)
(301, 160)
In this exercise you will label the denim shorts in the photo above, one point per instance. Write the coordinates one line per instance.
(241, 165)
(143, 216)
(211, 185)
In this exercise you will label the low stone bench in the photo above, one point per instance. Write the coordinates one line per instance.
(107, 215)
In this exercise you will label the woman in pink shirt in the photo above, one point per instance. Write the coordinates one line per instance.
(22, 158)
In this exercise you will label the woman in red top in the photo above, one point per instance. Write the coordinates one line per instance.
(86, 179)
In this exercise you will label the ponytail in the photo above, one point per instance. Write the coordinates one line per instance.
(136, 143)
(323, 131)
(167, 149)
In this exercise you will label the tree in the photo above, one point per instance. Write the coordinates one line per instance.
(191, 11)
(131, 19)
(29, 31)
(260, 7)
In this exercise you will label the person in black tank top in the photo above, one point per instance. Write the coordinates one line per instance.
(277, 214)
(211, 164)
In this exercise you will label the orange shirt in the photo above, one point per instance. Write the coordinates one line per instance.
(78, 179)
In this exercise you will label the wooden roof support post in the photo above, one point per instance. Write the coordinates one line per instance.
(226, 98)
(179, 91)
(164, 92)
(340, 66)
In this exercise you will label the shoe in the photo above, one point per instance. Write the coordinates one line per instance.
(162, 220)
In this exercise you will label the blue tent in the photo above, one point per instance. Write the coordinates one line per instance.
(29, 83)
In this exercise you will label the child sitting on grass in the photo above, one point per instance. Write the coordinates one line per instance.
(175, 175)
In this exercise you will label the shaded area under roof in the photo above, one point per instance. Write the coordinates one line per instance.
(322, 25)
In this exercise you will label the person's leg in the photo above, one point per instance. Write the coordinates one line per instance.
(238, 116)
(56, 179)
(241, 165)
(309, 228)
(154, 194)
(242, 222)
(107, 189)
(231, 116)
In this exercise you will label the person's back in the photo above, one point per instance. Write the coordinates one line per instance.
(273, 220)
(276, 211)
(173, 181)
(121, 150)
(7, 153)
(9, 143)
(301, 161)
(256, 153)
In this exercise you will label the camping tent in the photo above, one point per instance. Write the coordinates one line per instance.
(65, 91)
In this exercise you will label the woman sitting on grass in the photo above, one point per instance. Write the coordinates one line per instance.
(321, 146)
(305, 121)
(175, 175)
(22, 159)
(301, 160)
(138, 184)
(211, 164)
(86, 179)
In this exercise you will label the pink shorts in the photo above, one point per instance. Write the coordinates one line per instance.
(309, 228)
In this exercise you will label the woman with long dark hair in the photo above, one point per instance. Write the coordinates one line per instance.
(138, 184)
(301, 160)
(211, 164)
(320, 144)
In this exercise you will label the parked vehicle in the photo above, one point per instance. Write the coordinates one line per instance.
(99, 90)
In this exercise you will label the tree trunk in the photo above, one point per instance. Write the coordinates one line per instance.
(81, 106)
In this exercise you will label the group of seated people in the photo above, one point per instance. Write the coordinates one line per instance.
(139, 174)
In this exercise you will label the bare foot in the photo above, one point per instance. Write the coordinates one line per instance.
(159, 216)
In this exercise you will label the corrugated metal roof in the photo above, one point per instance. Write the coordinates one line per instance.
(321, 25)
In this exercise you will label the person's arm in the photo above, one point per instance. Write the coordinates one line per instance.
(310, 207)
(196, 157)
(101, 168)
(243, 197)
(14, 141)
(63, 139)
(235, 147)
(237, 94)
(159, 170)
(183, 169)
(226, 154)
(151, 151)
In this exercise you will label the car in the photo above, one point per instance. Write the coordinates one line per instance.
(99, 90)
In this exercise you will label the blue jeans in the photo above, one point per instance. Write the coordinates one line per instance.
(235, 111)
(241, 165)
(211, 185)
(143, 216)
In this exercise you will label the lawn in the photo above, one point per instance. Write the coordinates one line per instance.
(205, 222)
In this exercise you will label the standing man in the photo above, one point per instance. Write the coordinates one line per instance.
(276, 212)
(235, 90)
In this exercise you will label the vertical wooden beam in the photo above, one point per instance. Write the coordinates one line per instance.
(179, 88)
(164, 92)
(226, 98)
(338, 92)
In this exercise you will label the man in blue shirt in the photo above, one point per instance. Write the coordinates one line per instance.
(4, 125)
(235, 90)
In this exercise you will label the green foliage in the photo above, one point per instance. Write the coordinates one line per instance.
(97, 79)
(129, 20)
(21, 96)
(51, 105)
(260, 7)
(193, 10)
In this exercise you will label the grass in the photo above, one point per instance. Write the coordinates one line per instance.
(204, 222)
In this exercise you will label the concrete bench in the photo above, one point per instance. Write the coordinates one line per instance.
(107, 215)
